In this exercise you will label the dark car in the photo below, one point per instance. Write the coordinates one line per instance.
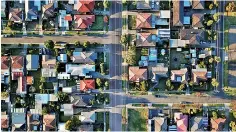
(186, 102)
(158, 96)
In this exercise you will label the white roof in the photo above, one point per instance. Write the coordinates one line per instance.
(62, 21)
(164, 13)
(63, 75)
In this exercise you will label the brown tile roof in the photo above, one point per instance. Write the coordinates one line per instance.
(197, 20)
(4, 64)
(83, 21)
(49, 122)
(198, 4)
(144, 20)
(195, 36)
(217, 124)
(17, 62)
(199, 74)
(179, 73)
(85, 5)
(137, 74)
(145, 39)
(4, 121)
(15, 14)
(30, 80)
(48, 61)
(178, 13)
(87, 84)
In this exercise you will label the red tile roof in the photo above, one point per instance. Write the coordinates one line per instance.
(49, 122)
(17, 62)
(143, 20)
(217, 124)
(29, 80)
(4, 122)
(86, 85)
(86, 5)
(137, 74)
(4, 64)
(83, 21)
(68, 17)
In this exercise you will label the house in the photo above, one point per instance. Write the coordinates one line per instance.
(68, 109)
(200, 74)
(146, 40)
(179, 75)
(80, 70)
(87, 57)
(48, 66)
(152, 57)
(62, 58)
(177, 43)
(64, 19)
(4, 121)
(197, 20)
(85, 128)
(5, 71)
(144, 21)
(198, 123)
(17, 63)
(84, 6)
(198, 4)
(87, 84)
(87, 117)
(30, 80)
(81, 100)
(159, 71)
(32, 62)
(49, 122)
(181, 121)
(69, 90)
(194, 36)
(217, 124)
(22, 82)
(178, 13)
(33, 122)
(48, 11)
(137, 74)
(147, 5)
(45, 98)
(83, 22)
(31, 9)
(16, 15)
(160, 124)
(18, 121)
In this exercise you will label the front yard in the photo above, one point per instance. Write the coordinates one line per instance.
(100, 121)
(137, 119)
(98, 24)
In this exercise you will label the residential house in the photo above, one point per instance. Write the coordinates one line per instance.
(163, 19)
(198, 4)
(205, 53)
(49, 122)
(83, 22)
(31, 9)
(200, 74)
(177, 43)
(45, 98)
(68, 109)
(32, 62)
(62, 58)
(17, 63)
(151, 57)
(87, 57)
(137, 74)
(87, 84)
(80, 70)
(178, 13)
(87, 117)
(198, 123)
(145, 21)
(84, 6)
(5, 69)
(16, 15)
(197, 20)
(217, 124)
(159, 71)
(146, 40)
(48, 66)
(64, 19)
(193, 36)
(81, 100)
(4, 121)
(33, 122)
(160, 124)
(179, 75)
(63, 75)
(48, 11)
(181, 121)
(18, 119)
(147, 5)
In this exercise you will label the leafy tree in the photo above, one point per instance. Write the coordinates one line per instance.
(56, 52)
(202, 65)
(168, 83)
(68, 125)
(191, 83)
(230, 7)
(210, 22)
(233, 125)
(86, 44)
(62, 97)
(181, 87)
(143, 86)
(234, 114)
(49, 44)
(217, 59)
(216, 17)
(106, 83)
(214, 115)
(72, 124)
(45, 111)
(211, 60)
(69, 52)
(216, 3)
(106, 3)
(214, 82)
(77, 43)
(211, 6)
(124, 39)
(99, 82)
(92, 101)
(4, 94)
(131, 55)
(102, 68)
(42, 79)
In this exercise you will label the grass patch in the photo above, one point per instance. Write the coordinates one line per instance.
(228, 20)
(124, 22)
(159, 105)
(161, 85)
(100, 118)
(98, 24)
(177, 58)
(71, 82)
(137, 119)
(15, 51)
(230, 91)
(132, 22)
(63, 118)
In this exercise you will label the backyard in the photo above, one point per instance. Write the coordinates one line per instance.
(98, 24)
(176, 59)
(37, 76)
(137, 119)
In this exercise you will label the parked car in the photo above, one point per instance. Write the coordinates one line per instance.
(186, 102)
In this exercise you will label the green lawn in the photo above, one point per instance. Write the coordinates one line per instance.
(100, 118)
(137, 119)
(98, 24)
(71, 82)
(161, 85)
(176, 59)
(228, 20)
(15, 51)
(159, 105)
(63, 118)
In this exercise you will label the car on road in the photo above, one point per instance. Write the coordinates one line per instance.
(186, 102)
(158, 96)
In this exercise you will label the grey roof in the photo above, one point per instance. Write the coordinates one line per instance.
(160, 124)
(16, 14)
(196, 123)
(48, 11)
(195, 36)
(178, 13)
(84, 57)
(18, 119)
(32, 62)
(81, 100)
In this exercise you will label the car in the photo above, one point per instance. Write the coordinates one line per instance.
(158, 96)
(186, 102)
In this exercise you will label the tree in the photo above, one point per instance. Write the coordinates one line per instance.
(72, 124)
(69, 52)
(234, 114)
(211, 60)
(216, 3)
(131, 55)
(102, 69)
(42, 79)
(49, 44)
(216, 17)
(214, 115)
(86, 44)
(77, 43)
(106, 83)
(124, 39)
(56, 52)
(230, 7)
(143, 86)
(168, 83)
(210, 22)
(191, 83)
(99, 82)
(4, 94)
(62, 97)
(214, 82)
(45, 111)
(233, 125)
(106, 3)
(181, 87)
(92, 101)
(202, 65)
(68, 125)
(211, 6)
(217, 59)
